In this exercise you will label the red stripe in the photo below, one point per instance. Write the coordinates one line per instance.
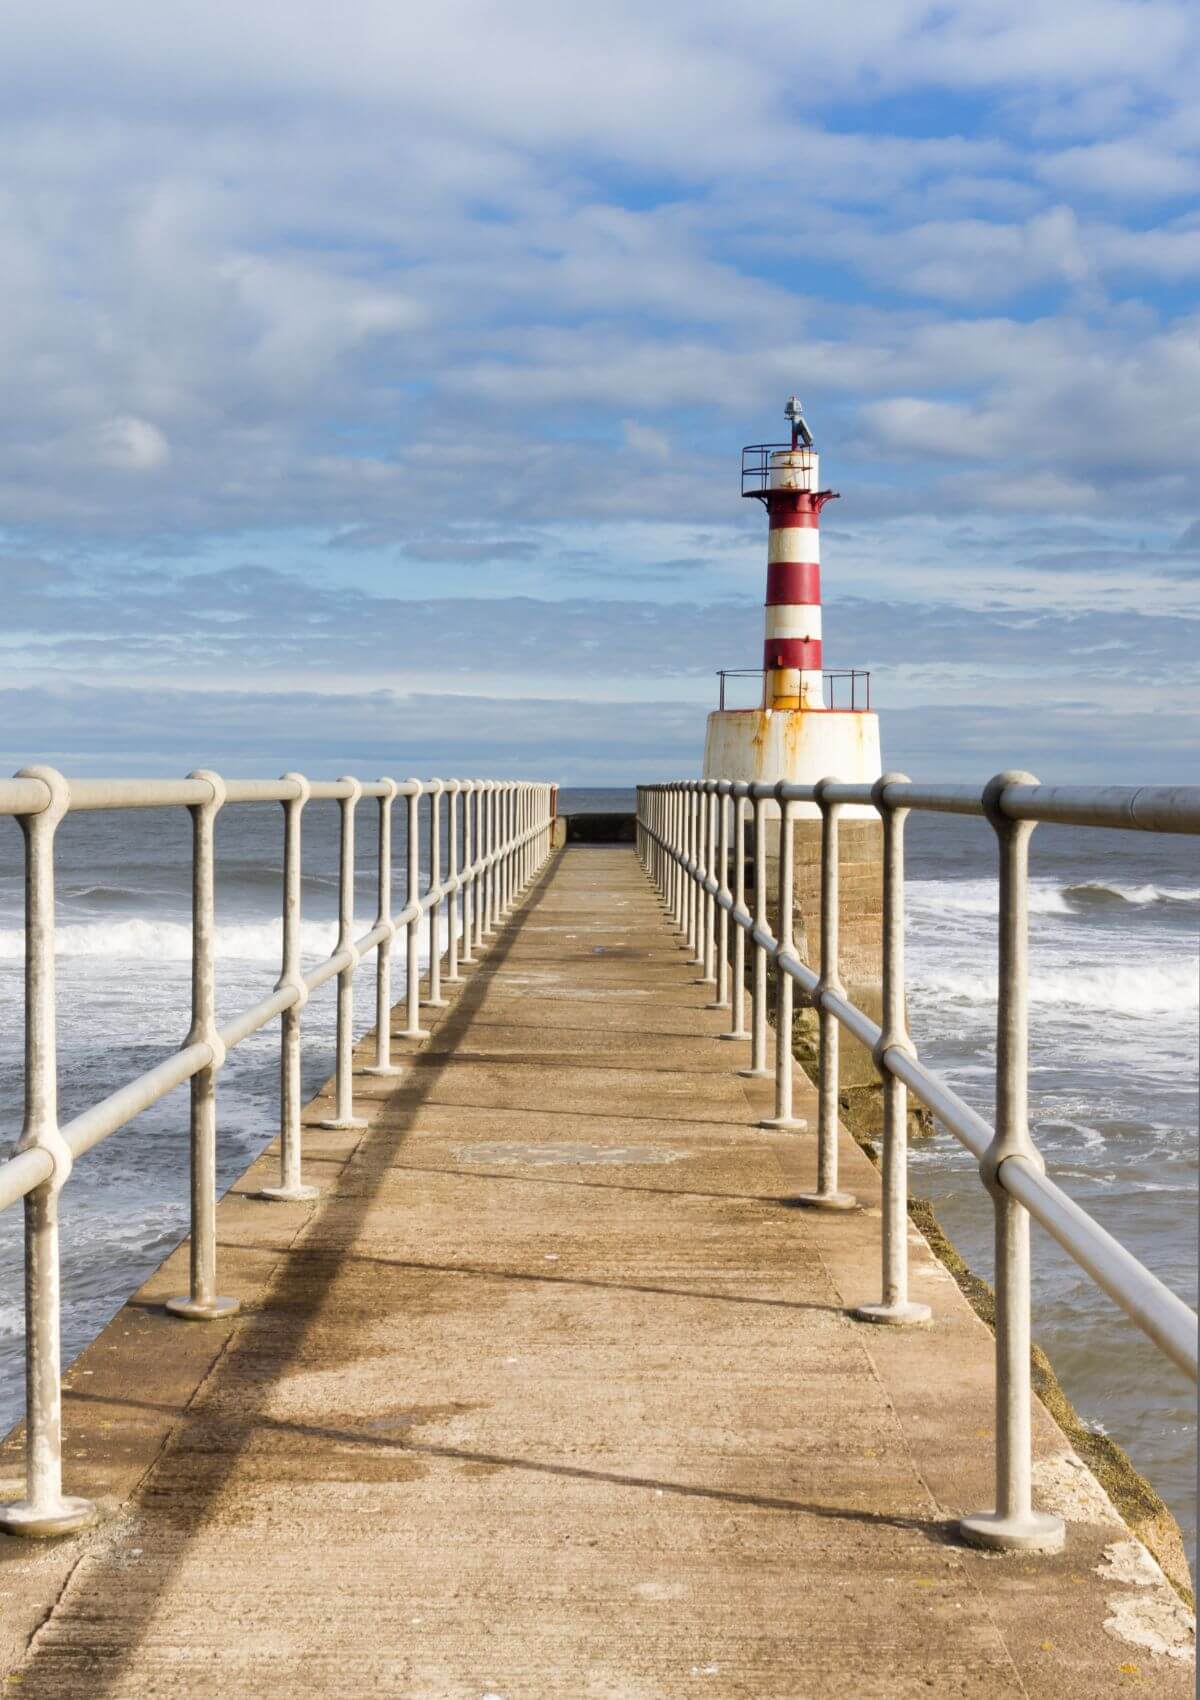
(793, 582)
(796, 507)
(804, 653)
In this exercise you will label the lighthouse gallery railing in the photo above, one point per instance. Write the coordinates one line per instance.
(478, 872)
(685, 842)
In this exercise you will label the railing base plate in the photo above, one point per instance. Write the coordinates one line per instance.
(741, 1036)
(342, 1124)
(36, 1523)
(202, 1310)
(288, 1194)
(906, 1315)
(825, 1200)
(784, 1124)
(1038, 1531)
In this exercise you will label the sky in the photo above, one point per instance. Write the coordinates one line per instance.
(376, 378)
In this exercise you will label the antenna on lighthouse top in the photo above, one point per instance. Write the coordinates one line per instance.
(794, 413)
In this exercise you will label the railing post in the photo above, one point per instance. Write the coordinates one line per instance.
(469, 792)
(521, 852)
(666, 860)
(783, 1119)
(509, 847)
(700, 855)
(737, 1002)
(343, 1112)
(412, 965)
(704, 947)
(496, 871)
(660, 801)
(510, 854)
(693, 836)
(895, 1307)
(488, 908)
(827, 1195)
(383, 1063)
(721, 914)
(489, 868)
(454, 880)
(514, 817)
(435, 1000)
(504, 867)
(291, 1188)
(1014, 1525)
(483, 846)
(710, 872)
(759, 1069)
(654, 800)
(680, 845)
(532, 827)
(45, 1509)
(201, 1303)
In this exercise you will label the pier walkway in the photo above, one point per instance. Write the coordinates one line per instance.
(553, 1393)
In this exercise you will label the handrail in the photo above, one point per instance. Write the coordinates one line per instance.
(675, 843)
(506, 837)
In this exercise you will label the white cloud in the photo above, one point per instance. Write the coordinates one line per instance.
(1128, 169)
(645, 440)
(131, 445)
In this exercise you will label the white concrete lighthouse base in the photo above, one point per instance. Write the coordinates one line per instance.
(799, 744)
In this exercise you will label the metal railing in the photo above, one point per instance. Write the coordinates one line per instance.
(685, 843)
(504, 839)
(859, 681)
(756, 464)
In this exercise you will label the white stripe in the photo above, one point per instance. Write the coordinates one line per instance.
(793, 620)
(794, 543)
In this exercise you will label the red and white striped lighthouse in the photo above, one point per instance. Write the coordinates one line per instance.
(794, 733)
(792, 637)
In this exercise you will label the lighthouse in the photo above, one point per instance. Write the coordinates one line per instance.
(792, 676)
(810, 723)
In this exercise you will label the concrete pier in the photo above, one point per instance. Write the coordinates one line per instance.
(553, 1393)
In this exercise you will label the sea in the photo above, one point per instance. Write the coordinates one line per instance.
(1113, 1079)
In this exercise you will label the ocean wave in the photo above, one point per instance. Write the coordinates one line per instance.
(1101, 892)
(171, 941)
(1147, 989)
(978, 897)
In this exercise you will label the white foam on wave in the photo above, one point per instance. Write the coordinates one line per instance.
(977, 897)
(1105, 891)
(171, 941)
(1161, 988)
